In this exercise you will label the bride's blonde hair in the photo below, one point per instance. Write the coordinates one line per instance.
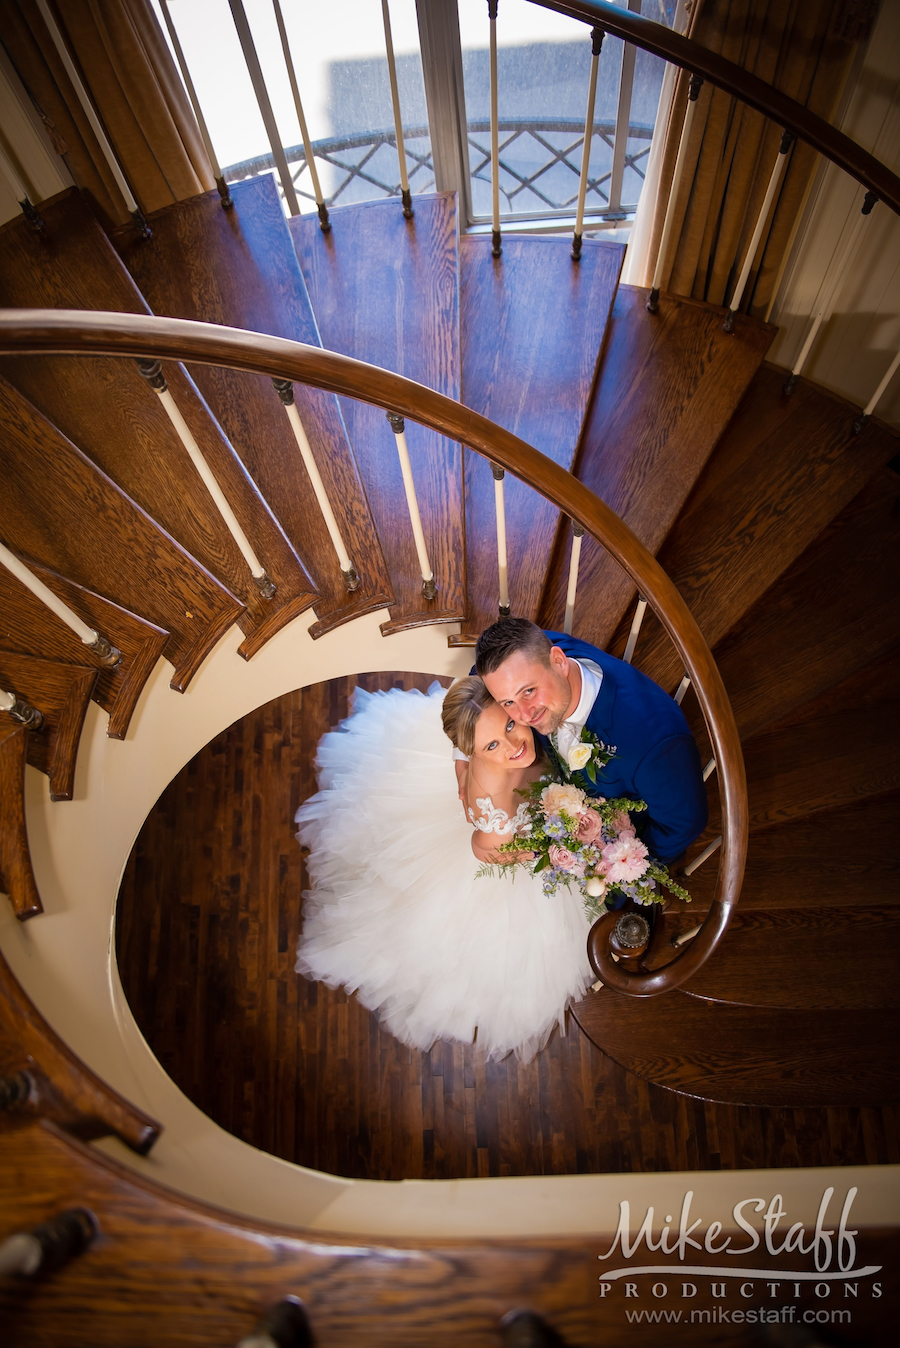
(465, 701)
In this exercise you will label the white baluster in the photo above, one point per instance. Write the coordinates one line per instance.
(787, 140)
(20, 710)
(833, 277)
(704, 856)
(634, 633)
(502, 561)
(696, 85)
(709, 769)
(596, 44)
(682, 689)
(398, 426)
(152, 372)
(574, 560)
(85, 101)
(285, 390)
(870, 405)
(88, 636)
(221, 184)
(405, 196)
(324, 222)
(254, 70)
(497, 246)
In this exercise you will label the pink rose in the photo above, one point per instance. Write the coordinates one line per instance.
(561, 857)
(589, 826)
(621, 822)
(625, 859)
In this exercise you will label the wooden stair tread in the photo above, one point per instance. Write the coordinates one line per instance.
(62, 693)
(532, 324)
(789, 865)
(822, 958)
(386, 290)
(667, 387)
(784, 468)
(33, 629)
(239, 268)
(833, 612)
(16, 873)
(79, 524)
(106, 408)
(746, 1055)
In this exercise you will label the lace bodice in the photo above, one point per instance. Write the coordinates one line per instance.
(492, 820)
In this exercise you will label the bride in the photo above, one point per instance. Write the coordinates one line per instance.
(396, 912)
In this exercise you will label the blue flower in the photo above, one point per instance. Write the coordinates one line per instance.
(554, 827)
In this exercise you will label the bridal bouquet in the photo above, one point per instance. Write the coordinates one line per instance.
(591, 842)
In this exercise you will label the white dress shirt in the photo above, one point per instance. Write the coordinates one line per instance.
(569, 732)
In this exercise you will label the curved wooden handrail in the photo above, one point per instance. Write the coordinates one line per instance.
(72, 332)
(724, 74)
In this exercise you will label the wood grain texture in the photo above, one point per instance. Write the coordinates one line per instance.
(667, 386)
(784, 468)
(386, 290)
(79, 524)
(168, 1270)
(106, 408)
(532, 328)
(239, 268)
(62, 693)
(30, 628)
(16, 873)
(77, 1096)
(305, 1072)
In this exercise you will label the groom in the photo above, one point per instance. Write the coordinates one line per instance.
(557, 685)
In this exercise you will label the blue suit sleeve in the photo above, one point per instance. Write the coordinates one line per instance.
(670, 779)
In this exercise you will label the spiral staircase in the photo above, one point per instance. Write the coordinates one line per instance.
(777, 524)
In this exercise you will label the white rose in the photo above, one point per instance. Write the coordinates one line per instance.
(578, 755)
(595, 887)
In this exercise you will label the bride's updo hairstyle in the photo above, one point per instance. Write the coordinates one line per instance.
(465, 701)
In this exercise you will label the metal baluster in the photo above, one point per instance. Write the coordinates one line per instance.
(787, 140)
(704, 856)
(221, 185)
(20, 710)
(597, 36)
(324, 222)
(575, 558)
(497, 246)
(254, 70)
(828, 289)
(20, 192)
(696, 85)
(285, 390)
(640, 610)
(106, 149)
(405, 195)
(502, 561)
(869, 408)
(398, 426)
(623, 123)
(152, 372)
(106, 653)
(682, 689)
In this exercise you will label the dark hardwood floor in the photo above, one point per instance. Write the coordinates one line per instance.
(209, 915)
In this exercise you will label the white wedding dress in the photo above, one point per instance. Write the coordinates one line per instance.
(396, 914)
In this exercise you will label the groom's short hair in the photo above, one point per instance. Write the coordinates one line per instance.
(508, 637)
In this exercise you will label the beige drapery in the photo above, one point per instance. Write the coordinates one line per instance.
(126, 66)
(804, 49)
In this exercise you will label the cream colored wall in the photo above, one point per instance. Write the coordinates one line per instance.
(855, 347)
(42, 171)
(65, 960)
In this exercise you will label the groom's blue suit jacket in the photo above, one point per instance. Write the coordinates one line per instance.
(656, 757)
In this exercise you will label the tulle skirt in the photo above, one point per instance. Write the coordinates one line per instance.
(395, 913)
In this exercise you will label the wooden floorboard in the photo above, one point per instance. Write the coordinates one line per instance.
(208, 919)
(532, 325)
(641, 452)
(386, 290)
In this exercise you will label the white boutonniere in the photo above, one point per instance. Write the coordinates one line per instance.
(590, 755)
